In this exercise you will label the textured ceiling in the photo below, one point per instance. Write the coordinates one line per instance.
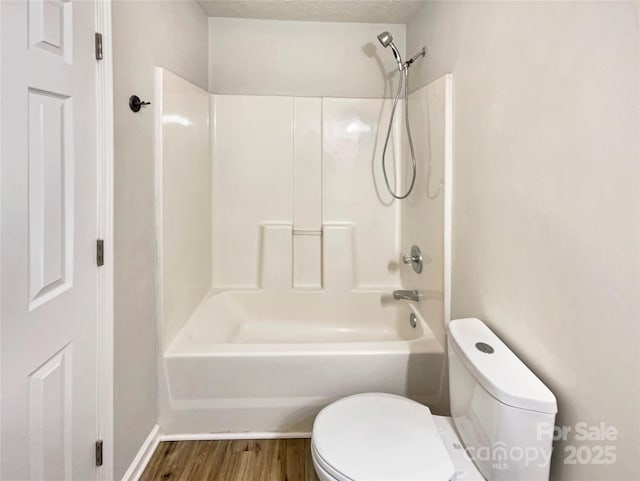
(365, 11)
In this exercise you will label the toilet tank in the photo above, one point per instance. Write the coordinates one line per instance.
(503, 413)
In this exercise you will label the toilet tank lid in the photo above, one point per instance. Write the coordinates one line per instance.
(497, 368)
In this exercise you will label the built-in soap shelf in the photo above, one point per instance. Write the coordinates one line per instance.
(306, 259)
(311, 232)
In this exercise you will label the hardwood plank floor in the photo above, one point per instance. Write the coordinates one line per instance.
(238, 460)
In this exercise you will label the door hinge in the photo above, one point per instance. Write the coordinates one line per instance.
(98, 46)
(99, 452)
(100, 252)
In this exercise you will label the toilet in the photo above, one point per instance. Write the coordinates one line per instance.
(500, 429)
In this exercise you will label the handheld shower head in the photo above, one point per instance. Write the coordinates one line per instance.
(386, 40)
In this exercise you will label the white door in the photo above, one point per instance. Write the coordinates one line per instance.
(48, 202)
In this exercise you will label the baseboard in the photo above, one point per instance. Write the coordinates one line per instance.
(231, 436)
(144, 455)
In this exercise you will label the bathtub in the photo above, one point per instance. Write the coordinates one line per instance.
(273, 360)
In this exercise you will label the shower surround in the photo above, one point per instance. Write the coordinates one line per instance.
(279, 248)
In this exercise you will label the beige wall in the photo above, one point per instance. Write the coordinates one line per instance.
(546, 206)
(145, 34)
(308, 59)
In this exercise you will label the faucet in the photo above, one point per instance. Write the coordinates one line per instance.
(406, 295)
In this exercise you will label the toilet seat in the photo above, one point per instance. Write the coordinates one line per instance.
(324, 470)
(379, 437)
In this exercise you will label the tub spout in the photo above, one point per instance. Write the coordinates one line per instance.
(406, 295)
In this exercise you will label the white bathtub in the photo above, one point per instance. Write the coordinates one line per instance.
(286, 355)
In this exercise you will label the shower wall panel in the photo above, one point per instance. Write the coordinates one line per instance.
(307, 193)
(425, 213)
(355, 197)
(252, 185)
(183, 182)
(311, 166)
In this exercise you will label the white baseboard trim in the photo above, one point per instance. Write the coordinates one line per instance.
(144, 455)
(231, 436)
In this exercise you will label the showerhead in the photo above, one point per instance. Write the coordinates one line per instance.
(385, 39)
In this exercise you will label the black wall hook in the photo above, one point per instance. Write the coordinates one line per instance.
(135, 104)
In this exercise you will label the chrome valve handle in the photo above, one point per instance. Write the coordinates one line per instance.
(415, 259)
(409, 259)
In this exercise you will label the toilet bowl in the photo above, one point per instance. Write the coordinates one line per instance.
(499, 409)
(388, 437)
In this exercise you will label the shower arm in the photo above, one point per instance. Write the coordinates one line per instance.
(421, 53)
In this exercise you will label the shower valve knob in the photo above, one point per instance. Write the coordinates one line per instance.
(415, 259)
(409, 259)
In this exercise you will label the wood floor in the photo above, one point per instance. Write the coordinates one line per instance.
(248, 460)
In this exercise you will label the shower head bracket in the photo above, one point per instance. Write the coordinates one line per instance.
(421, 53)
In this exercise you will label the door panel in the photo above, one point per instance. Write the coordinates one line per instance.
(50, 196)
(48, 230)
(50, 410)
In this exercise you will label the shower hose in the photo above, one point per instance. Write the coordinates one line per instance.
(403, 83)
